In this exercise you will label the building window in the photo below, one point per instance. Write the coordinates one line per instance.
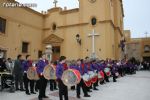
(3, 53)
(54, 27)
(146, 48)
(39, 53)
(93, 21)
(25, 47)
(2, 25)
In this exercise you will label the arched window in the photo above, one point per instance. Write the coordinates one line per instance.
(93, 21)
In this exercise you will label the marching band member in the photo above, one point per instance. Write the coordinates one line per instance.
(53, 84)
(89, 68)
(114, 71)
(105, 65)
(101, 68)
(95, 68)
(42, 63)
(60, 68)
(82, 69)
(26, 64)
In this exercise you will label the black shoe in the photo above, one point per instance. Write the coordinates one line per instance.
(78, 96)
(89, 91)
(33, 93)
(87, 95)
(17, 89)
(22, 90)
(95, 89)
(36, 90)
(55, 89)
(40, 99)
(28, 93)
(45, 97)
(51, 90)
(107, 81)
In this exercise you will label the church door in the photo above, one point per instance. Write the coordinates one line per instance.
(56, 53)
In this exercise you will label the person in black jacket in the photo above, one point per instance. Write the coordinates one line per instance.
(18, 73)
(2, 65)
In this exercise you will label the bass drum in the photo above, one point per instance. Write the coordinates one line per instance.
(100, 75)
(49, 72)
(71, 77)
(107, 71)
(93, 76)
(32, 74)
(87, 80)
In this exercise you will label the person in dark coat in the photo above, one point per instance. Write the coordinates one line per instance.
(18, 73)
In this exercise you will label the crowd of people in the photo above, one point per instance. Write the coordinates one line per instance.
(19, 69)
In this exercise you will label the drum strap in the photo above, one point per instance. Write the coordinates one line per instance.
(88, 66)
(82, 66)
(65, 66)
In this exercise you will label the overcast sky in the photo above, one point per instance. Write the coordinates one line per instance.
(137, 13)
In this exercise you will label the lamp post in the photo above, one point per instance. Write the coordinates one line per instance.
(48, 52)
(78, 39)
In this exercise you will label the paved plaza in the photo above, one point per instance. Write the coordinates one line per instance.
(130, 87)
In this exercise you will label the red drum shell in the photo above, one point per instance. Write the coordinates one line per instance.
(88, 81)
(107, 71)
(94, 79)
(101, 74)
(77, 73)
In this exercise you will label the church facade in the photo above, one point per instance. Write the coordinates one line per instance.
(68, 31)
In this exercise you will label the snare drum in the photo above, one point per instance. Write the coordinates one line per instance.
(107, 71)
(100, 75)
(87, 79)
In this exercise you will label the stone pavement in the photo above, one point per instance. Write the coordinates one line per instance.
(130, 87)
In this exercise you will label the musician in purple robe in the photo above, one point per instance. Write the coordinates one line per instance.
(42, 63)
(105, 65)
(26, 64)
(82, 69)
(60, 68)
(95, 70)
(114, 70)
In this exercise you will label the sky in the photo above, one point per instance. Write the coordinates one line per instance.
(137, 13)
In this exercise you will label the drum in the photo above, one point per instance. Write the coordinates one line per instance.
(107, 71)
(71, 77)
(87, 80)
(117, 74)
(32, 74)
(93, 76)
(100, 75)
(49, 72)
